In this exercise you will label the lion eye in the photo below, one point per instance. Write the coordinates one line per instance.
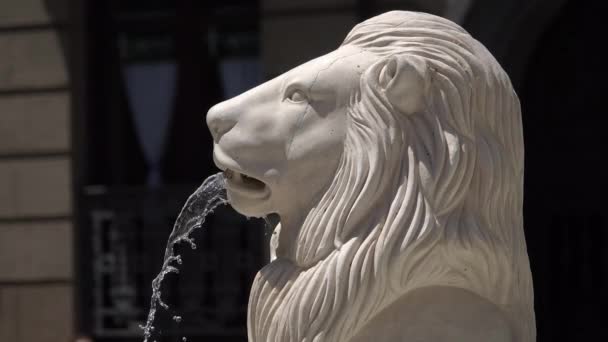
(297, 96)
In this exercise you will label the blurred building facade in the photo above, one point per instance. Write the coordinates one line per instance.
(36, 225)
(74, 166)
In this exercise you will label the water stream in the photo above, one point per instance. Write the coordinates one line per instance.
(207, 197)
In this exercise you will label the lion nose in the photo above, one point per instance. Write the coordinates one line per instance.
(220, 120)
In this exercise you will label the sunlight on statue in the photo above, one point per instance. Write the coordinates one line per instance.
(395, 164)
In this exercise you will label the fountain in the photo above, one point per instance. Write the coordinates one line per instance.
(395, 166)
(201, 203)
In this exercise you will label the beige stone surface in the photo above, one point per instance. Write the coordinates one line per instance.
(289, 41)
(8, 205)
(35, 251)
(36, 187)
(31, 59)
(45, 313)
(31, 12)
(282, 5)
(34, 123)
(8, 312)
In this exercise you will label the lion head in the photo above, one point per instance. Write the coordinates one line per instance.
(394, 162)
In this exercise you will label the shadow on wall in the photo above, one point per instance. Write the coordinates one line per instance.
(566, 167)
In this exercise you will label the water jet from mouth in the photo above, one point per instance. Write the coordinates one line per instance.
(201, 203)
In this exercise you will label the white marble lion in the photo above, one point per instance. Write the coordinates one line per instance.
(395, 164)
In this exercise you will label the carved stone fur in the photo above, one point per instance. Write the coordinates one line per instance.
(427, 190)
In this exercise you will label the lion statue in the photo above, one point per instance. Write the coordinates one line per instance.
(395, 164)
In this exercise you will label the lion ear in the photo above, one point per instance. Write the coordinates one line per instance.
(405, 81)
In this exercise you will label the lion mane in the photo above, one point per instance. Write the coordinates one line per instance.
(423, 199)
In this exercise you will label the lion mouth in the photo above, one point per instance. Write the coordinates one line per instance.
(244, 184)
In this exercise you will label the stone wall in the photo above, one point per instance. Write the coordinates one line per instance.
(36, 273)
